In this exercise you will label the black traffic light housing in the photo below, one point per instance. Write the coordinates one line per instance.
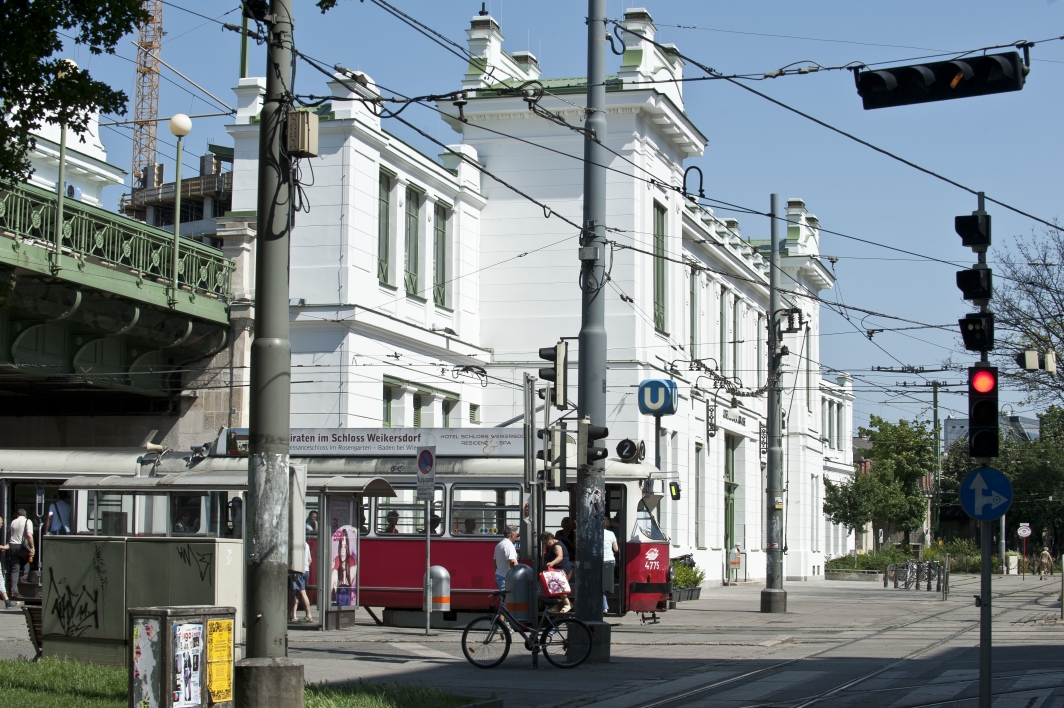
(256, 9)
(974, 230)
(977, 330)
(555, 467)
(941, 80)
(976, 284)
(674, 491)
(983, 421)
(559, 354)
(586, 451)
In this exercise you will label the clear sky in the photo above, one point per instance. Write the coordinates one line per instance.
(1007, 145)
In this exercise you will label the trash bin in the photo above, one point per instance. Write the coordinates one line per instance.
(519, 585)
(440, 589)
(181, 657)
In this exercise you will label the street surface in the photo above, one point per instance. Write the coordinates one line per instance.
(841, 644)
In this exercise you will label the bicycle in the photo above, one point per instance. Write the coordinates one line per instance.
(565, 641)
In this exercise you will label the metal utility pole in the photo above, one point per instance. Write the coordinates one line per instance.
(936, 499)
(774, 597)
(266, 677)
(591, 479)
(986, 677)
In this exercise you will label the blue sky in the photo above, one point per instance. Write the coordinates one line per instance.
(1007, 145)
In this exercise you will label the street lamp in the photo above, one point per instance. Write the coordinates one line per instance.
(180, 126)
(66, 66)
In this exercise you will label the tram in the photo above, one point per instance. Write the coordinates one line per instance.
(363, 524)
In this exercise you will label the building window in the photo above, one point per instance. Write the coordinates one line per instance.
(386, 403)
(413, 207)
(384, 224)
(723, 332)
(840, 429)
(417, 410)
(737, 328)
(449, 406)
(700, 501)
(474, 413)
(439, 254)
(808, 371)
(760, 353)
(659, 268)
(694, 314)
(824, 418)
(832, 443)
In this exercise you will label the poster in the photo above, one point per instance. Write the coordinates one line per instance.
(147, 671)
(220, 660)
(339, 514)
(188, 650)
(343, 576)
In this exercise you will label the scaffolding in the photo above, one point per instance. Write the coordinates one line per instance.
(146, 102)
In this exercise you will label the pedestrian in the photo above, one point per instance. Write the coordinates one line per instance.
(393, 522)
(298, 585)
(20, 550)
(57, 523)
(609, 562)
(567, 535)
(505, 557)
(8, 602)
(556, 557)
(1045, 564)
(312, 523)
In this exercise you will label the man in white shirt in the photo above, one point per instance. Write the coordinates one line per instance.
(20, 551)
(609, 562)
(505, 557)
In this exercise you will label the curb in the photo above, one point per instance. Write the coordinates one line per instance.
(486, 703)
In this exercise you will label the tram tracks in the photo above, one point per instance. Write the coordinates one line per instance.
(686, 697)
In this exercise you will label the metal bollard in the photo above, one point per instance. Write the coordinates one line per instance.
(895, 576)
(928, 576)
(886, 569)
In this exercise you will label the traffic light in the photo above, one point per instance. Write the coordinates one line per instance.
(977, 330)
(976, 284)
(586, 452)
(256, 9)
(555, 467)
(941, 81)
(559, 354)
(974, 230)
(983, 411)
(1032, 360)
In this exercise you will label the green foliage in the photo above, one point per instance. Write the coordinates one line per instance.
(54, 683)
(380, 695)
(868, 561)
(958, 548)
(889, 494)
(687, 577)
(36, 84)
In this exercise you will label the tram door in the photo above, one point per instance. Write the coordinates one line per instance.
(36, 497)
(560, 516)
(337, 576)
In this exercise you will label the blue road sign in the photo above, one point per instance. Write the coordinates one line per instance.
(986, 494)
(658, 397)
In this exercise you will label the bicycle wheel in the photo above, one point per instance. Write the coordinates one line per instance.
(566, 642)
(486, 642)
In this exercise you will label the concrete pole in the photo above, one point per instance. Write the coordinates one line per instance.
(60, 195)
(244, 47)
(774, 597)
(985, 675)
(266, 677)
(591, 479)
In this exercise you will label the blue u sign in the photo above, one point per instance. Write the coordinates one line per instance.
(658, 397)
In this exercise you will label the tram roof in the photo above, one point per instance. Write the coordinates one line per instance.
(138, 470)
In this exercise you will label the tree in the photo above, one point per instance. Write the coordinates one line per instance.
(1028, 305)
(37, 86)
(889, 494)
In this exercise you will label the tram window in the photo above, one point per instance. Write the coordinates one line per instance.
(186, 514)
(648, 526)
(556, 512)
(484, 511)
(111, 514)
(403, 514)
(151, 514)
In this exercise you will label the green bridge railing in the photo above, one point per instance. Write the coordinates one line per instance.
(97, 235)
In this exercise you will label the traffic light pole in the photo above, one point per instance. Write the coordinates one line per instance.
(266, 678)
(774, 597)
(986, 698)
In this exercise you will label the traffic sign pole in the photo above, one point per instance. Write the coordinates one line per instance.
(985, 676)
(426, 489)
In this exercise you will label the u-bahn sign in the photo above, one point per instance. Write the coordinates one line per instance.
(658, 397)
(386, 442)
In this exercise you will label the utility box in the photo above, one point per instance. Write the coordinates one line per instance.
(89, 581)
(181, 657)
(302, 134)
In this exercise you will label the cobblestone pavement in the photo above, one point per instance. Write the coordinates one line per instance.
(840, 644)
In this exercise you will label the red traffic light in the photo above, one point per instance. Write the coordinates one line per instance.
(984, 381)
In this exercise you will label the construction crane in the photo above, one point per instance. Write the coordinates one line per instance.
(146, 101)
